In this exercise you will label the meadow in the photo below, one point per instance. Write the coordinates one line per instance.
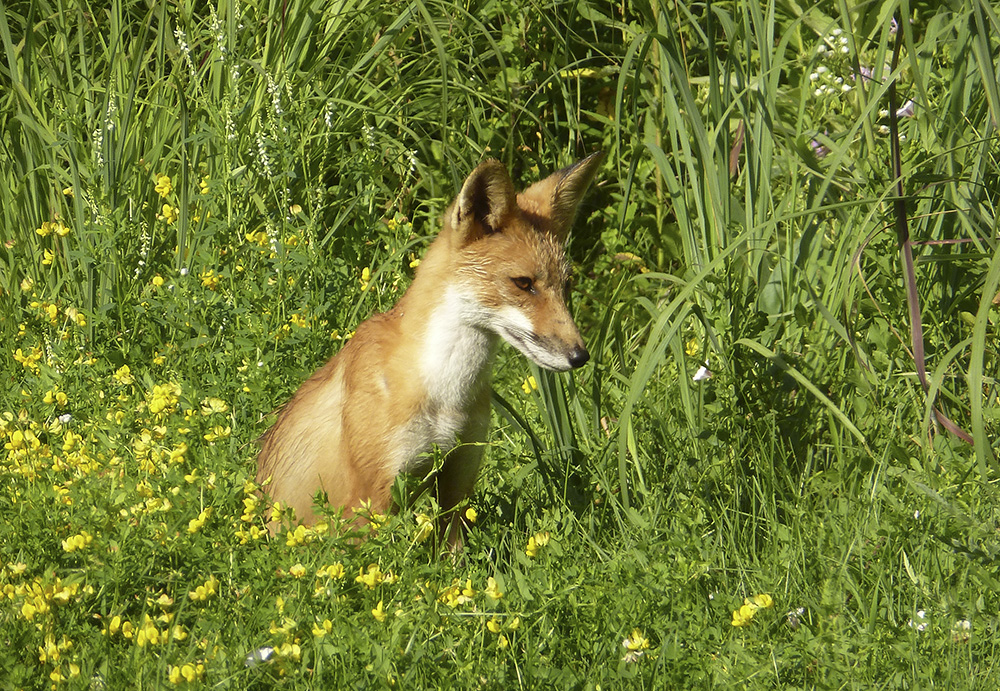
(778, 470)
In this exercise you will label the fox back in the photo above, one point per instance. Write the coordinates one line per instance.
(419, 375)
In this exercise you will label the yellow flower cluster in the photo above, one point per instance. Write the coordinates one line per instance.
(321, 629)
(55, 396)
(530, 384)
(535, 542)
(163, 185)
(206, 590)
(335, 570)
(303, 535)
(77, 542)
(210, 279)
(52, 651)
(212, 405)
(170, 214)
(148, 633)
(123, 375)
(38, 596)
(745, 614)
(492, 589)
(29, 360)
(258, 238)
(49, 227)
(163, 398)
(425, 527)
(196, 524)
(456, 594)
(635, 645)
(187, 673)
(374, 576)
(495, 627)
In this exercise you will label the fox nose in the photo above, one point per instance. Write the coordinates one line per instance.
(579, 356)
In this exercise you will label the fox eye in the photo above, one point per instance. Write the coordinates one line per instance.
(524, 283)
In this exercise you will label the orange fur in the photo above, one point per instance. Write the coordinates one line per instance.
(419, 374)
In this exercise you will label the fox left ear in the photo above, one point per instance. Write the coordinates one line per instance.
(485, 202)
(558, 196)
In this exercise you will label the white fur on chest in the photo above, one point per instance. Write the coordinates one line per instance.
(454, 367)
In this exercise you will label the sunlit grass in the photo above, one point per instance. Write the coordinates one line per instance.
(745, 489)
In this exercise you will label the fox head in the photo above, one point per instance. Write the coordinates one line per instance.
(510, 260)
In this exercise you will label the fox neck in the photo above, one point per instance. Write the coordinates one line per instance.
(456, 353)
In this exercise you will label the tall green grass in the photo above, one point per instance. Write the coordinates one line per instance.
(746, 221)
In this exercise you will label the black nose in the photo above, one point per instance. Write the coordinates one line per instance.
(578, 357)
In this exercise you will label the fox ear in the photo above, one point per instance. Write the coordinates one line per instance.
(486, 200)
(558, 196)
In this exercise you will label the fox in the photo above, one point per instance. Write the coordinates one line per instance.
(419, 375)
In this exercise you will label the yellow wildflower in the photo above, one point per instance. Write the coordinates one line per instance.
(77, 542)
(372, 577)
(425, 527)
(297, 571)
(163, 185)
(210, 279)
(492, 589)
(334, 570)
(206, 590)
(379, 612)
(745, 614)
(637, 641)
(320, 630)
(164, 397)
(471, 515)
(196, 524)
(123, 375)
(534, 542)
(529, 385)
(170, 214)
(635, 646)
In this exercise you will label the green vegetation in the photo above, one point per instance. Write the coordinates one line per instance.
(198, 203)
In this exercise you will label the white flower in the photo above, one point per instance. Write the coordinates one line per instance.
(258, 656)
(65, 418)
(921, 622)
(907, 110)
(702, 373)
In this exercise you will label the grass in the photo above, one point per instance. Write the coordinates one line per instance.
(199, 204)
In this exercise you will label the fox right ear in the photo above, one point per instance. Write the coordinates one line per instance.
(486, 200)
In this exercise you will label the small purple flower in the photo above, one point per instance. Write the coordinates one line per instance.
(907, 110)
(818, 148)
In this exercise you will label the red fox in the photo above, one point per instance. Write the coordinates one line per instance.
(419, 374)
